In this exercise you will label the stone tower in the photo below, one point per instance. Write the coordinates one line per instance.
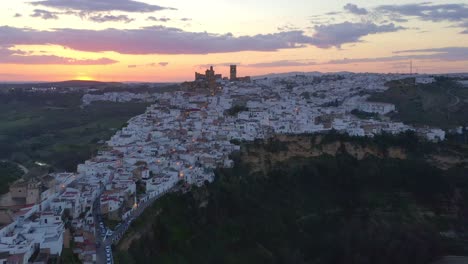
(233, 73)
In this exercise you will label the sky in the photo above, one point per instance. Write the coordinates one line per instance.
(169, 40)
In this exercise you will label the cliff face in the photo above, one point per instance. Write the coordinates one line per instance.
(261, 156)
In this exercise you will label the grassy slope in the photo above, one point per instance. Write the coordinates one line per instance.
(429, 104)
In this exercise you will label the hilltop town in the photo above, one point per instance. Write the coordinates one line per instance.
(177, 143)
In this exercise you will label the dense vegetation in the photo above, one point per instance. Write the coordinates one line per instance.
(315, 210)
(9, 172)
(52, 128)
(364, 115)
(441, 104)
(236, 109)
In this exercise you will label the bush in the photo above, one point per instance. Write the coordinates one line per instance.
(233, 111)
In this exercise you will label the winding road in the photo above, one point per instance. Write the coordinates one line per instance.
(457, 99)
(23, 168)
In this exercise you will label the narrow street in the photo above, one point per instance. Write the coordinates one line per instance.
(120, 231)
(100, 247)
(101, 244)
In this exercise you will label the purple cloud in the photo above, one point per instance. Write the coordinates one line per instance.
(152, 40)
(91, 6)
(154, 19)
(444, 54)
(154, 64)
(428, 11)
(110, 18)
(287, 27)
(327, 36)
(354, 9)
(165, 40)
(44, 14)
(282, 63)
(463, 25)
(8, 56)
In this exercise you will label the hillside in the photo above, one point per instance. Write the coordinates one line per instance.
(354, 201)
(64, 84)
(52, 128)
(441, 104)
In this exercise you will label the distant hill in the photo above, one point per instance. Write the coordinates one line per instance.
(441, 104)
(64, 84)
(78, 83)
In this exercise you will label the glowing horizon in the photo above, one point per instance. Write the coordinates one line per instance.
(167, 41)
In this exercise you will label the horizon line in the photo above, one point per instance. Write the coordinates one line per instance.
(255, 76)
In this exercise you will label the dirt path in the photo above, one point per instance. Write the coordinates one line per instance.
(457, 99)
(23, 168)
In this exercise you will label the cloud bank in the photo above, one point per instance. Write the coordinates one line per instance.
(44, 14)
(428, 11)
(90, 6)
(110, 18)
(281, 63)
(155, 19)
(354, 9)
(327, 36)
(166, 40)
(8, 56)
(443, 54)
(154, 64)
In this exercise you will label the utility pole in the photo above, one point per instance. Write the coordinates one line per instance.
(411, 67)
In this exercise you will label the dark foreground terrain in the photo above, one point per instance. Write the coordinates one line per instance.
(314, 199)
(443, 103)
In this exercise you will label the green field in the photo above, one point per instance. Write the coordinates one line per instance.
(441, 104)
(54, 129)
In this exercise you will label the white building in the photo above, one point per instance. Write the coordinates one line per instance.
(378, 108)
(424, 80)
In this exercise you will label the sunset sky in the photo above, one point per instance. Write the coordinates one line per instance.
(168, 40)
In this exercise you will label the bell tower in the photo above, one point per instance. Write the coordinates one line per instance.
(233, 73)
